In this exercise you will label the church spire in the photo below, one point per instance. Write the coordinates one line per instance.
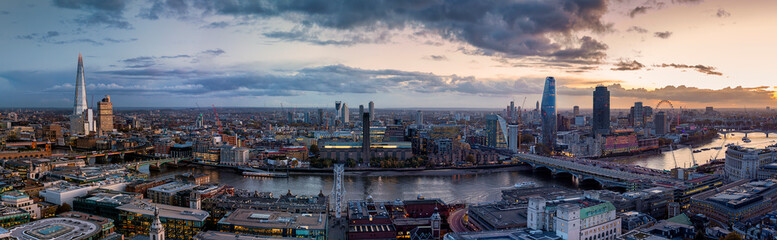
(157, 230)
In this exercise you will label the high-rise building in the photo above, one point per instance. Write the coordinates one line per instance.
(601, 115)
(321, 120)
(365, 137)
(345, 114)
(419, 118)
(105, 118)
(512, 137)
(82, 120)
(338, 109)
(548, 113)
(575, 111)
(361, 111)
(372, 111)
(496, 131)
(637, 115)
(511, 110)
(659, 122)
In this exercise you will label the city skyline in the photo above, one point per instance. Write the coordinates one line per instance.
(402, 56)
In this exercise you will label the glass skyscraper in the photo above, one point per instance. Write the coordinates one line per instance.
(548, 113)
(601, 118)
(496, 131)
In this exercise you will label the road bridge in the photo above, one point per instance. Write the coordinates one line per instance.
(583, 170)
(156, 163)
(727, 131)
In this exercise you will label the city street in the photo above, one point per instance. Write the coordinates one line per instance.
(455, 221)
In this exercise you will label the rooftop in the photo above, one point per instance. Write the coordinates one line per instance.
(272, 219)
(112, 197)
(56, 229)
(165, 211)
(173, 187)
(216, 235)
(744, 194)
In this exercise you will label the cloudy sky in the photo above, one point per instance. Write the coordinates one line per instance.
(400, 54)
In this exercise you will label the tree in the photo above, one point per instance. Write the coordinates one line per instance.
(732, 236)
(314, 149)
(64, 208)
(470, 159)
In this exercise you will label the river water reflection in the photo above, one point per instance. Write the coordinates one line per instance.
(450, 186)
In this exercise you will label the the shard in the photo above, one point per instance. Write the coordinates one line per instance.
(80, 99)
(81, 122)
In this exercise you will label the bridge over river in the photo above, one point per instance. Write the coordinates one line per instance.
(609, 175)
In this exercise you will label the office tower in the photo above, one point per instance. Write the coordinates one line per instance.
(538, 106)
(346, 114)
(361, 110)
(496, 131)
(637, 115)
(575, 111)
(660, 123)
(82, 120)
(372, 111)
(307, 117)
(105, 118)
(711, 110)
(321, 116)
(548, 113)
(419, 117)
(290, 117)
(338, 109)
(512, 138)
(647, 116)
(511, 110)
(601, 115)
(365, 137)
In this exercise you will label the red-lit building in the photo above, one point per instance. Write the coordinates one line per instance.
(412, 219)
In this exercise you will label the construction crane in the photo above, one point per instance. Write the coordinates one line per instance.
(673, 157)
(218, 121)
(690, 147)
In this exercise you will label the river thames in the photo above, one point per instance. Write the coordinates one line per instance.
(452, 186)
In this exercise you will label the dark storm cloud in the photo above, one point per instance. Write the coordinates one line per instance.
(164, 8)
(297, 35)
(626, 65)
(756, 95)
(663, 35)
(340, 79)
(219, 24)
(331, 79)
(99, 12)
(709, 70)
(148, 61)
(638, 10)
(495, 27)
(112, 40)
(437, 58)
(590, 51)
(637, 29)
(722, 13)
(214, 52)
(55, 37)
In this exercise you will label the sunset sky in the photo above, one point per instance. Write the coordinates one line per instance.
(400, 54)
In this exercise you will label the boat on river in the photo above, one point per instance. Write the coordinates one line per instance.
(524, 184)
